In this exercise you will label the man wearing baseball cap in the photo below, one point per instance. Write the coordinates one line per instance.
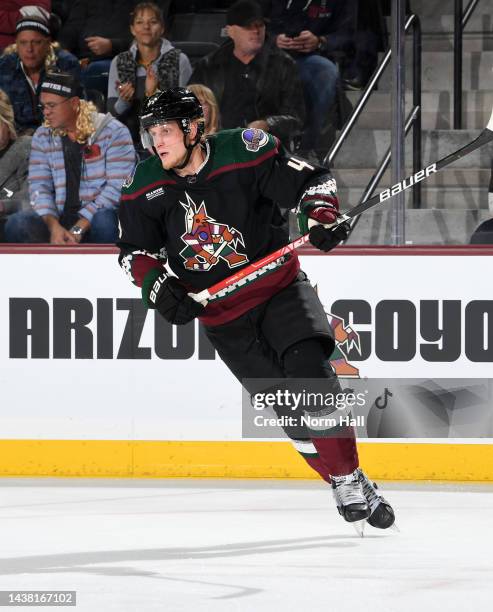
(79, 160)
(24, 65)
(256, 84)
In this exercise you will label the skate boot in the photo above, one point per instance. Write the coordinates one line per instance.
(381, 512)
(349, 496)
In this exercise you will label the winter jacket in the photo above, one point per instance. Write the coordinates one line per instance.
(106, 18)
(14, 163)
(279, 98)
(183, 72)
(15, 85)
(108, 158)
(335, 19)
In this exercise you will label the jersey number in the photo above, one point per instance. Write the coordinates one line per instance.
(299, 164)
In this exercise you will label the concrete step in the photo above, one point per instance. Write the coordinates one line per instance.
(365, 148)
(438, 71)
(448, 177)
(430, 9)
(445, 42)
(422, 226)
(439, 16)
(437, 109)
(449, 198)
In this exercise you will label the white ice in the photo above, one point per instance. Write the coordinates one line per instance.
(254, 545)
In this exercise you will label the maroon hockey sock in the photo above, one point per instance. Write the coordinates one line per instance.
(309, 453)
(316, 464)
(338, 455)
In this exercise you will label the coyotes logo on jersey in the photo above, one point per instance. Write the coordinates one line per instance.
(208, 241)
(346, 339)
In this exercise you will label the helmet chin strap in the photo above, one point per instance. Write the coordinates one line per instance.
(189, 148)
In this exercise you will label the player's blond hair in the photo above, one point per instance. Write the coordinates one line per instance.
(7, 114)
(84, 127)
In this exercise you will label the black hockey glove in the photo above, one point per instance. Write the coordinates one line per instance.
(173, 302)
(326, 239)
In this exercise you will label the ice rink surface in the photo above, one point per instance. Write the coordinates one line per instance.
(252, 545)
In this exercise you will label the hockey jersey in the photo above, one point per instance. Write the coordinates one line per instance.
(209, 225)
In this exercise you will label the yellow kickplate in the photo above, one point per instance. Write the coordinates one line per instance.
(174, 459)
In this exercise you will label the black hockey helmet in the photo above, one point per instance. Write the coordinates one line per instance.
(175, 104)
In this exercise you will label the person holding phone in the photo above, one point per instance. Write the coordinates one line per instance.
(312, 32)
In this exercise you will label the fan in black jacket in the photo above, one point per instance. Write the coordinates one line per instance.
(255, 83)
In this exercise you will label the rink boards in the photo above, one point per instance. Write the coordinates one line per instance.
(94, 385)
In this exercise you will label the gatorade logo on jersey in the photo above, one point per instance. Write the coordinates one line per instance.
(254, 139)
(207, 241)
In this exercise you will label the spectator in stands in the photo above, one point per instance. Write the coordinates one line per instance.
(13, 10)
(79, 160)
(209, 105)
(96, 31)
(23, 66)
(256, 84)
(61, 8)
(312, 32)
(150, 64)
(14, 160)
(370, 38)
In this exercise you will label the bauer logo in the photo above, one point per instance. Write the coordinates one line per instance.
(408, 182)
(391, 330)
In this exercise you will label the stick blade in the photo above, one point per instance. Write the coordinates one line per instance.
(490, 123)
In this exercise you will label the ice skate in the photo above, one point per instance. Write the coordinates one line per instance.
(350, 500)
(381, 512)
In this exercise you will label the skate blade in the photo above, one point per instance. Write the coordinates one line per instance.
(395, 528)
(359, 527)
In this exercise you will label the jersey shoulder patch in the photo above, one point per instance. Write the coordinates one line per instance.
(241, 145)
(254, 139)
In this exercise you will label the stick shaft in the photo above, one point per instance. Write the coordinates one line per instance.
(253, 268)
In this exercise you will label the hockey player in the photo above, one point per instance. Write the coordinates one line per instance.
(207, 207)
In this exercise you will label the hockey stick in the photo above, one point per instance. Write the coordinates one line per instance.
(257, 268)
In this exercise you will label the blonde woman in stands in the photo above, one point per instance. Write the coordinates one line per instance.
(209, 105)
